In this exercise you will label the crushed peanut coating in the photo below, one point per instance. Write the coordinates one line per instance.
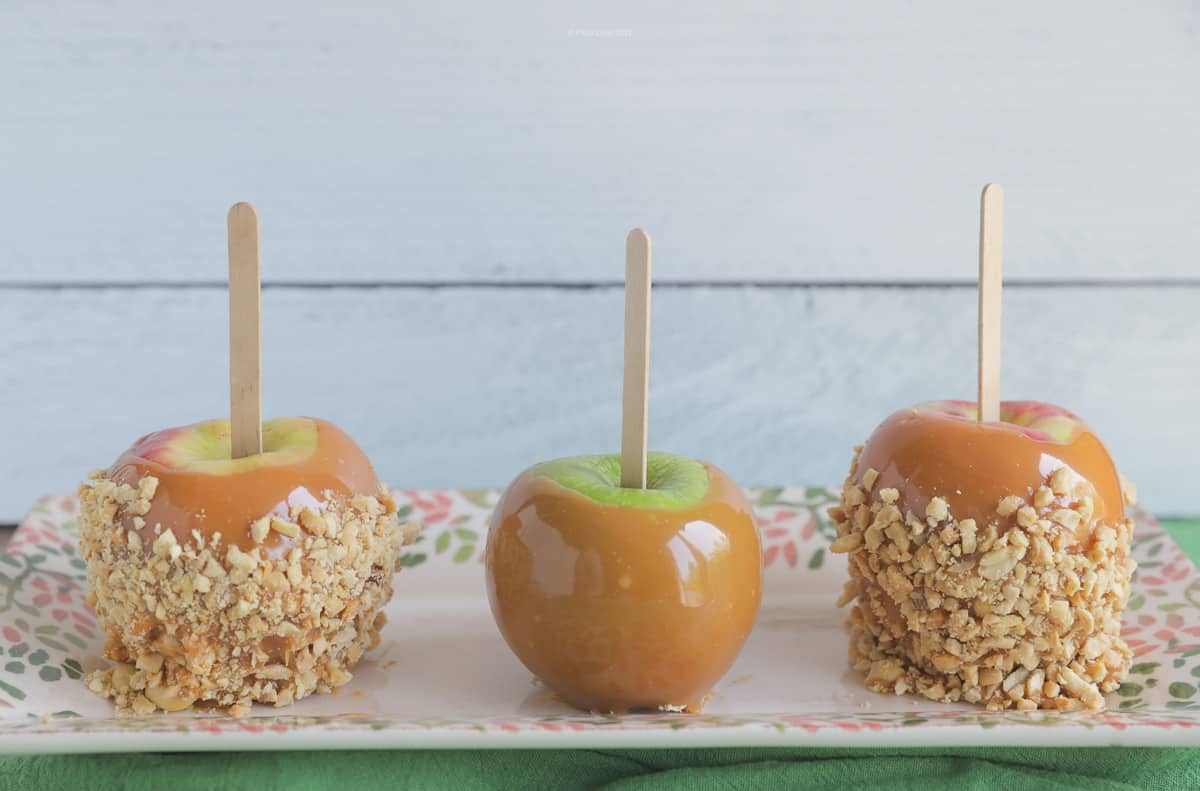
(1009, 612)
(210, 625)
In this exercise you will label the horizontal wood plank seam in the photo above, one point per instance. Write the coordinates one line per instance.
(596, 285)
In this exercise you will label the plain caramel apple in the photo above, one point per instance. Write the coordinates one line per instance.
(618, 608)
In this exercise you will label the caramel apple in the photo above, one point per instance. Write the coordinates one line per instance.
(221, 582)
(619, 598)
(989, 560)
(628, 581)
(237, 561)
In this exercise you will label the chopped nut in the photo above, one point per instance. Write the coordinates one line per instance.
(1043, 497)
(1066, 517)
(140, 704)
(947, 663)
(311, 521)
(989, 676)
(999, 562)
(887, 515)
(165, 544)
(966, 529)
(1092, 648)
(241, 609)
(1083, 690)
(169, 698)
(936, 510)
(1009, 505)
(147, 487)
(289, 529)
(1033, 685)
(150, 663)
(861, 517)
(886, 671)
(274, 672)
(1042, 553)
(846, 543)
(277, 582)
(1018, 676)
(121, 673)
(212, 569)
(1086, 508)
(259, 529)
(239, 560)
(898, 533)
(869, 478)
(1060, 482)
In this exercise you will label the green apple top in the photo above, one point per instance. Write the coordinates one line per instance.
(940, 449)
(671, 481)
(200, 486)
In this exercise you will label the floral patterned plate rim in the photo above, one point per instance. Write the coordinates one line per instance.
(443, 677)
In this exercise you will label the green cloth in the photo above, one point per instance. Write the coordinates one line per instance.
(696, 770)
(1186, 533)
(933, 768)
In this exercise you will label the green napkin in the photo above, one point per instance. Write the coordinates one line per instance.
(1186, 533)
(1013, 768)
(932, 768)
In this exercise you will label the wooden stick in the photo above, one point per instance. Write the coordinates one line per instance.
(637, 360)
(245, 333)
(991, 283)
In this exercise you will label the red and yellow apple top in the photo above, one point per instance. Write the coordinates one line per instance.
(941, 449)
(618, 608)
(305, 462)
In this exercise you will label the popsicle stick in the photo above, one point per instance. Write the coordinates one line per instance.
(637, 360)
(245, 333)
(991, 283)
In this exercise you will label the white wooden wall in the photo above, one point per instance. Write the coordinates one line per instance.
(445, 192)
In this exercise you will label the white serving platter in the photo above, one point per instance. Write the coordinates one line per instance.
(443, 677)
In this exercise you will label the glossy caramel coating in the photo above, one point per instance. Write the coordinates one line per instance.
(971, 465)
(617, 608)
(229, 503)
